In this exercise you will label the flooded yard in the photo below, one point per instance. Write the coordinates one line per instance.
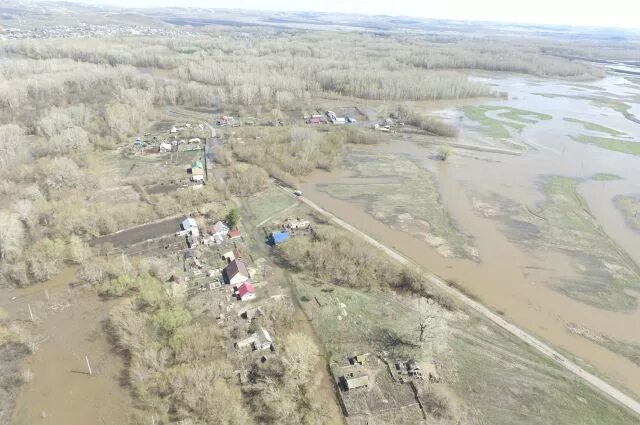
(68, 329)
(550, 249)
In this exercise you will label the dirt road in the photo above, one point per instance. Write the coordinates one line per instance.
(524, 336)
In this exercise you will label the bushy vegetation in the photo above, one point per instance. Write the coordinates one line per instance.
(427, 123)
(339, 259)
(181, 366)
(288, 152)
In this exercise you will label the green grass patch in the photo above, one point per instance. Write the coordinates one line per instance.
(516, 119)
(603, 177)
(616, 145)
(265, 204)
(595, 127)
(629, 206)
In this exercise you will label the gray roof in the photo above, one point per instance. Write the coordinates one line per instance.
(357, 382)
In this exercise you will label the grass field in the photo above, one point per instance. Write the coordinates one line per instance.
(514, 118)
(616, 145)
(595, 127)
(409, 200)
(603, 177)
(492, 378)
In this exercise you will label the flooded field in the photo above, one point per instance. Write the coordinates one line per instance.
(68, 329)
(530, 213)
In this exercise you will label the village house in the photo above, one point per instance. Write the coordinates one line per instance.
(234, 233)
(189, 227)
(218, 231)
(165, 147)
(263, 340)
(236, 273)
(246, 292)
(260, 340)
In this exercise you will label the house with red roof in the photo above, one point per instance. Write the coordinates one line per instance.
(234, 233)
(246, 292)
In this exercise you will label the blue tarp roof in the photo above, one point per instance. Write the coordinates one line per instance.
(279, 237)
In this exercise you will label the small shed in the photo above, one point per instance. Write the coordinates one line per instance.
(229, 256)
(250, 313)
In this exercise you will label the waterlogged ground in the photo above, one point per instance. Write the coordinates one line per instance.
(534, 212)
(398, 192)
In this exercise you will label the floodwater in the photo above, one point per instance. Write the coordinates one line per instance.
(69, 330)
(510, 278)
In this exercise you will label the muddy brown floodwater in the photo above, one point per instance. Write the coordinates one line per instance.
(68, 327)
(509, 278)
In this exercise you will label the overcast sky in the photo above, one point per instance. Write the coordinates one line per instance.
(614, 13)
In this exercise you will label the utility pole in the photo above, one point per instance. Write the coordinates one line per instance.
(204, 151)
(30, 312)
(88, 365)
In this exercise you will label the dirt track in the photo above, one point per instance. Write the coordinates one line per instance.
(524, 336)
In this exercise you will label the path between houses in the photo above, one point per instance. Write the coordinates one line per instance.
(524, 336)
